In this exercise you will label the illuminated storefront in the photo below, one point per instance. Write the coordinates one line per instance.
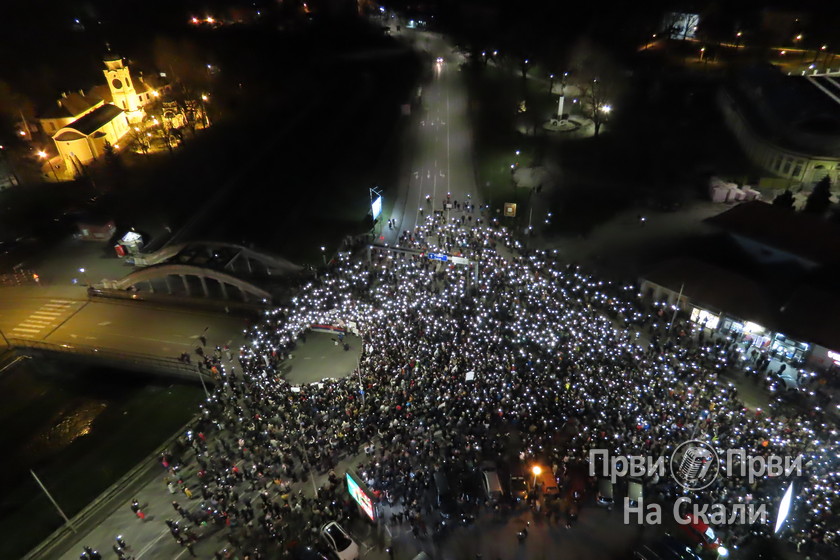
(704, 318)
(789, 348)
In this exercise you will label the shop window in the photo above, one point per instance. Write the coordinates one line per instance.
(704, 318)
(786, 168)
(797, 171)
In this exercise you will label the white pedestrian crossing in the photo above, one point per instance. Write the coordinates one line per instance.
(48, 316)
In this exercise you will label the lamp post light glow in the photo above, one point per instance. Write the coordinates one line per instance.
(537, 471)
(43, 155)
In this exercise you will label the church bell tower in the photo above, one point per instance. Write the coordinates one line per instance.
(119, 81)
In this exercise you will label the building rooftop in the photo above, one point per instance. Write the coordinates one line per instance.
(72, 104)
(801, 113)
(811, 316)
(717, 288)
(803, 235)
(95, 119)
(103, 92)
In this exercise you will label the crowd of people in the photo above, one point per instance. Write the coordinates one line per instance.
(529, 361)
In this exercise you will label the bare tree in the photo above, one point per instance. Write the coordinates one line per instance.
(599, 80)
(140, 137)
(596, 102)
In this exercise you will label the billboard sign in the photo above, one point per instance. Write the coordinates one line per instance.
(360, 496)
(376, 207)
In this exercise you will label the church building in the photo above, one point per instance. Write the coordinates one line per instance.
(82, 123)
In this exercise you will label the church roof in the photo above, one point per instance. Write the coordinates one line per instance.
(68, 135)
(103, 92)
(94, 120)
(72, 105)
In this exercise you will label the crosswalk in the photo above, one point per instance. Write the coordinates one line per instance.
(42, 320)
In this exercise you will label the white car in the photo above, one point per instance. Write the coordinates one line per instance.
(338, 540)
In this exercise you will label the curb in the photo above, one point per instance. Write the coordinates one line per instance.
(60, 540)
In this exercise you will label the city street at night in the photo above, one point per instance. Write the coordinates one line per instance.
(389, 280)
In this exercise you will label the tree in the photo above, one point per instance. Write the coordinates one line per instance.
(140, 138)
(784, 200)
(599, 80)
(820, 198)
(596, 103)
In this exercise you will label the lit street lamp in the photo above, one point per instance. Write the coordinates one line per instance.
(324, 254)
(204, 99)
(537, 471)
(43, 155)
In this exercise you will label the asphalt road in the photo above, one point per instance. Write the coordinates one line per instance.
(65, 316)
(440, 161)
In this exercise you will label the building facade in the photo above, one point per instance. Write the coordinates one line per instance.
(85, 139)
(787, 125)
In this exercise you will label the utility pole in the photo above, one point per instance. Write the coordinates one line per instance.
(676, 309)
(201, 378)
(60, 512)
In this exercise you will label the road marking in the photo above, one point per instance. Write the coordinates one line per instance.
(104, 323)
(67, 301)
(47, 312)
(146, 548)
(26, 330)
(34, 323)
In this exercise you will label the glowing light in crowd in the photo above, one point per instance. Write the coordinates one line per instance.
(784, 508)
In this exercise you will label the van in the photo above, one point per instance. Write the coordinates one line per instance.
(549, 485)
(492, 485)
(443, 493)
(605, 493)
(634, 491)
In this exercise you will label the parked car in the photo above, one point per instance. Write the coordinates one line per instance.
(444, 495)
(301, 552)
(518, 488)
(698, 534)
(635, 491)
(550, 489)
(339, 541)
(667, 548)
(490, 483)
(604, 497)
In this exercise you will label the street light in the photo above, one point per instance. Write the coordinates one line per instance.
(43, 155)
(537, 471)
(324, 254)
(205, 99)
